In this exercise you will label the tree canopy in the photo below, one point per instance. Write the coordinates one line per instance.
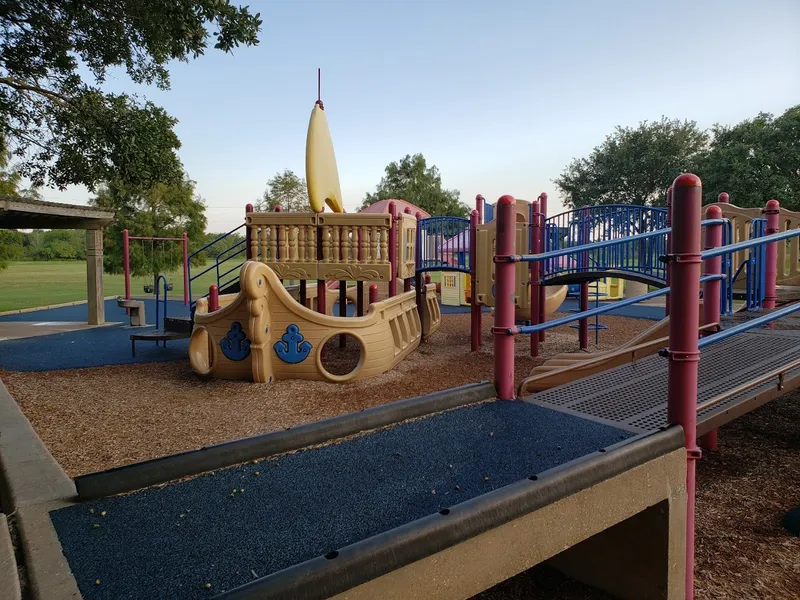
(286, 190)
(633, 165)
(159, 211)
(64, 130)
(412, 180)
(755, 160)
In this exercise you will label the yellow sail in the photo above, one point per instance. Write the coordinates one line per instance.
(322, 176)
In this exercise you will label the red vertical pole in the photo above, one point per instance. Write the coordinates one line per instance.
(724, 198)
(479, 201)
(373, 293)
(535, 270)
(669, 248)
(773, 212)
(417, 266)
(504, 298)
(583, 325)
(213, 298)
(474, 308)
(711, 293)
(185, 248)
(126, 262)
(359, 284)
(683, 353)
(427, 278)
(393, 250)
(542, 289)
(248, 235)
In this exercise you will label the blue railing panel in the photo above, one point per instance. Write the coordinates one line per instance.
(443, 244)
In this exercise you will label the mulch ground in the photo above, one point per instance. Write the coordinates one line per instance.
(93, 419)
(98, 418)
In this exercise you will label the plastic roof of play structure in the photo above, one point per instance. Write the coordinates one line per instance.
(382, 206)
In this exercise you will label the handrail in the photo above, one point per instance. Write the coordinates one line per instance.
(236, 245)
(751, 324)
(767, 239)
(214, 241)
(526, 329)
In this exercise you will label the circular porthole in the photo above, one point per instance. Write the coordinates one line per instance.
(341, 356)
(201, 351)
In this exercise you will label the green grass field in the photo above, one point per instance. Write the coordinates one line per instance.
(27, 284)
(38, 283)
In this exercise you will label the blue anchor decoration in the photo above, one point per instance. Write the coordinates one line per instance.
(235, 345)
(292, 349)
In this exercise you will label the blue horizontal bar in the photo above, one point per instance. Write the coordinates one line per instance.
(747, 325)
(775, 237)
(211, 243)
(600, 309)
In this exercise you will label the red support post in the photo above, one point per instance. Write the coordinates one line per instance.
(479, 202)
(248, 234)
(474, 308)
(427, 278)
(773, 212)
(373, 293)
(711, 293)
(724, 198)
(542, 289)
(683, 352)
(393, 251)
(213, 298)
(669, 248)
(126, 264)
(185, 249)
(504, 298)
(420, 293)
(535, 270)
(583, 324)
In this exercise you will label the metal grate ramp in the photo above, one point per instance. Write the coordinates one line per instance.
(633, 396)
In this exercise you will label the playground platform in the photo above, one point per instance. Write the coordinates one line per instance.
(736, 375)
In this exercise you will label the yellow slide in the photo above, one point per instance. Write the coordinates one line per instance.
(554, 298)
(262, 334)
(567, 367)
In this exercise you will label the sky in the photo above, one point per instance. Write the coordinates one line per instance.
(499, 95)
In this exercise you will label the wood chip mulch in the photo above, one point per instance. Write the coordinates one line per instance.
(98, 418)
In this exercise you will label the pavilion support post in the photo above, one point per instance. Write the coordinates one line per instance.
(94, 276)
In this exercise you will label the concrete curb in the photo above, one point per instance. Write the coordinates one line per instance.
(28, 472)
(32, 484)
(9, 580)
(161, 470)
(22, 311)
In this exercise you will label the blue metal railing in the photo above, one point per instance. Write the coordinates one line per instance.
(608, 223)
(225, 255)
(159, 301)
(748, 325)
(443, 244)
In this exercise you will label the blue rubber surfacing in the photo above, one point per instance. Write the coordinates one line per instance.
(169, 542)
(96, 347)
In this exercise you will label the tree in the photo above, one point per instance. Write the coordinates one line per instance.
(412, 180)
(286, 190)
(11, 246)
(633, 165)
(67, 131)
(755, 160)
(159, 211)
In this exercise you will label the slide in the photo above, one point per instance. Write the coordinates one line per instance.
(554, 298)
(263, 334)
(567, 367)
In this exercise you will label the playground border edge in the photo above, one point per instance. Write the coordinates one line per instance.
(324, 577)
(167, 468)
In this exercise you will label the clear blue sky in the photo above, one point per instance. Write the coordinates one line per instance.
(499, 95)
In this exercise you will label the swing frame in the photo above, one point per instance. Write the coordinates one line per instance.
(126, 259)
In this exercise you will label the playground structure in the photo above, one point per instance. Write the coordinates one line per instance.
(678, 393)
(601, 486)
(262, 334)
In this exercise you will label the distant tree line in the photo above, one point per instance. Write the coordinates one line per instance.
(754, 161)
